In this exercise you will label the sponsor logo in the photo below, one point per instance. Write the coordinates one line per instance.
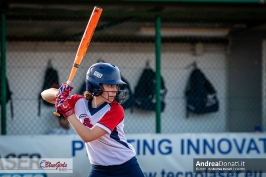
(36, 165)
(97, 74)
(47, 164)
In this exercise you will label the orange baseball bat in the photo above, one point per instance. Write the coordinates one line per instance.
(85, 41)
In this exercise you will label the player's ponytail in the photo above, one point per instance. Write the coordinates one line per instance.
(87, 95)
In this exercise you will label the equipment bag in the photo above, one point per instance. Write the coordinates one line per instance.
(145, 91)
(51, 80)
(200, 94)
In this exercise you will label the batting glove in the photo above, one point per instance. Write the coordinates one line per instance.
(64, 91)
(64, 108)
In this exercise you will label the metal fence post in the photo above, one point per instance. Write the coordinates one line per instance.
(3, 73)
(158, 72)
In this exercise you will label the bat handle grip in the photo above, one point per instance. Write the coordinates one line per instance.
(68, 82)
(72, 73)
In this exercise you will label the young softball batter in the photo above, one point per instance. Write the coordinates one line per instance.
(98, 119)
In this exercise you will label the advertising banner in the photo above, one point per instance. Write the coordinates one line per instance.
(159, 155)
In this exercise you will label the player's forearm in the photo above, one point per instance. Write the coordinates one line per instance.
(49, 95)
(85, 133)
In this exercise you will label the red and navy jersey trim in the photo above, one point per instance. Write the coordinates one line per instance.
(114, 135)
(95, 110)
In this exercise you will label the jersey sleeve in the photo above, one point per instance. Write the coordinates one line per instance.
(112, 117)
(73, 99)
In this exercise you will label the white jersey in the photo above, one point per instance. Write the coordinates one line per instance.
(112, 148)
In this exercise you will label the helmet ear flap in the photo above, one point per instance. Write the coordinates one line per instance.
(100, 90)
(94, 89)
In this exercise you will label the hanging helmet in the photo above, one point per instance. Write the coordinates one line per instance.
(102, 73)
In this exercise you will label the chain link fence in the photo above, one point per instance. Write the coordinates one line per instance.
(37, 40)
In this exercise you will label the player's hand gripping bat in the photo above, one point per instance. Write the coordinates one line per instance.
(84, 43)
